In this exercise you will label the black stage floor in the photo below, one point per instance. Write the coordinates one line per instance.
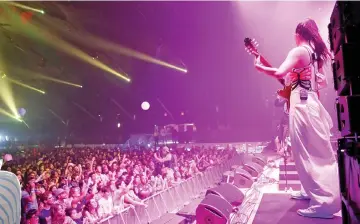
(280, 209)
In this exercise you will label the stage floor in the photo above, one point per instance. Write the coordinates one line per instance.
(280, 209)
(265, 204)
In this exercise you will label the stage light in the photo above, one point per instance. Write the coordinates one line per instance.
(22, 112)
(145, 105)
(118, 125)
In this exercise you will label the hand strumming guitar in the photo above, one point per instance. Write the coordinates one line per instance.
(261, 64)
(258, 64)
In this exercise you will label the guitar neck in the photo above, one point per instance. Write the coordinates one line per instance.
(267, 64)
(264, 61)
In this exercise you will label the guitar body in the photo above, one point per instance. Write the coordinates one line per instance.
(285, 93)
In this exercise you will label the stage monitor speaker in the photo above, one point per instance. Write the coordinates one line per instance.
(229, 192)
(213, 210)
(348, 115)
(346, 70)
(344, 24)
(253, 168)
(349, 173)
(261, 160)
(242, 178)
(228, 177)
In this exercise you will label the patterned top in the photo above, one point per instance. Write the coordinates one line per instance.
(10, 197)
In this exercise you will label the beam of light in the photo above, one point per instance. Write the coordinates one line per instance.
(93, 41)
(62, 82)
(38, 32)
(4, 112)
(84, 110)
(25, 124)
(25, 7)
(116, 48)
(44, 77)
(6, 92)
(73, 51)
(24, 85)
(57, 116)
(163, 106)
(122, 108)
(7, 97)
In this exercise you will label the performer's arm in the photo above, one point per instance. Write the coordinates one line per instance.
(264, 62)
(289, 63)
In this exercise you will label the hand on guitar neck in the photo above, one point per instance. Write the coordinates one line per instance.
(251, 48)
(264, 62)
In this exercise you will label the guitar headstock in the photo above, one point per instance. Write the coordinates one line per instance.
(251, 46)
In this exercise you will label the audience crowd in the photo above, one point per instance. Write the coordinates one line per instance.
(85, 185)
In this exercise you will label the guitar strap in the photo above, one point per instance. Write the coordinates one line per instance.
(313, 59)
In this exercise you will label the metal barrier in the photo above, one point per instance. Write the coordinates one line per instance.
(173, 198)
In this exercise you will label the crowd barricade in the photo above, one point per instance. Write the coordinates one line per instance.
(174, 198)
(249, 147)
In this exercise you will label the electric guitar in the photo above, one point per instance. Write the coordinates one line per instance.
(251, 47)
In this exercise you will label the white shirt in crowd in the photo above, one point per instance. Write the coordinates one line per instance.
(105, 206)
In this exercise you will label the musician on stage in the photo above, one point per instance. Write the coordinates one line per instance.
(309, 122)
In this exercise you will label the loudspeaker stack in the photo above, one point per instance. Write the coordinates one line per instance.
(344, 35)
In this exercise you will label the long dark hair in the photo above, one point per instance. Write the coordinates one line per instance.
(309, 31)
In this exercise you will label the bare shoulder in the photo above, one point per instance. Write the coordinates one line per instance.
(299, 52)
(301, 55)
